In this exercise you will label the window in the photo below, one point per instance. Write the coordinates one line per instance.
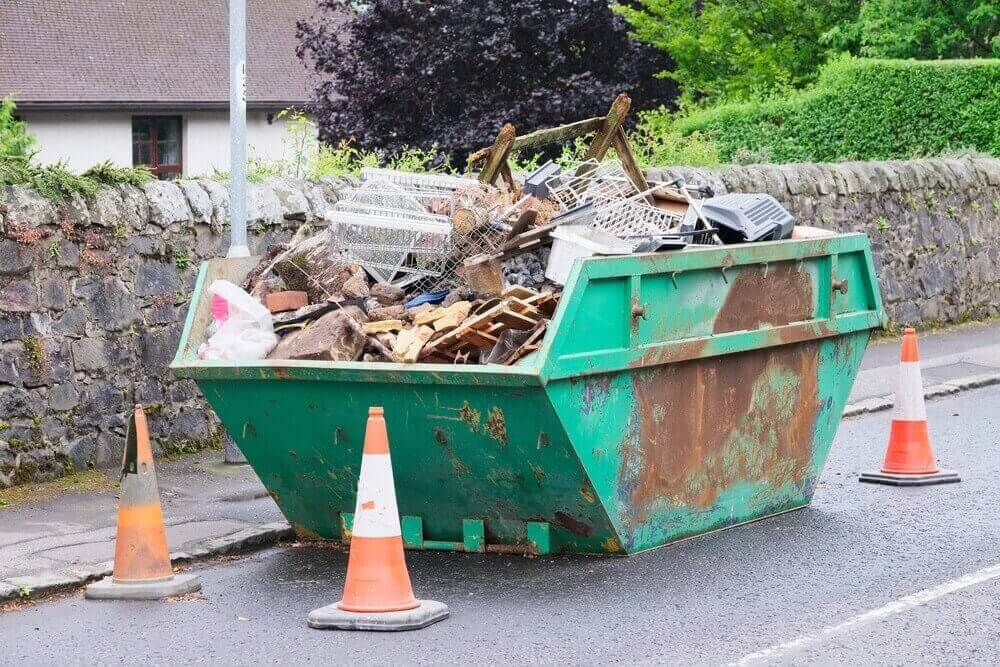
(156, 143)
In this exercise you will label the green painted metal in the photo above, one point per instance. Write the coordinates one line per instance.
(674, 394)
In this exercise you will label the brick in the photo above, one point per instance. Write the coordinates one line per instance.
(280, 302)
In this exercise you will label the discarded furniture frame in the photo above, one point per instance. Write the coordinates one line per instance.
(608, 132)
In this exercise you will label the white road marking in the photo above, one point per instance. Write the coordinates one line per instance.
(891, 609)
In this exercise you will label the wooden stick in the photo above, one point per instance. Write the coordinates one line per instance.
(545, 136)
(498, 154)
(602, 141)
(629, 163)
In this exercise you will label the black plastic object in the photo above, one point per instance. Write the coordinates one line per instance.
(745, 218)
(535, 185)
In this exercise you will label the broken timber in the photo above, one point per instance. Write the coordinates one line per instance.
(608, 133)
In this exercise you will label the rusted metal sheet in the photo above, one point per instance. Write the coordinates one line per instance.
(673, 394)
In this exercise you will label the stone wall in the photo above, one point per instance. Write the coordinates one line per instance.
(93, 296)
(93, 293)
(934, 225)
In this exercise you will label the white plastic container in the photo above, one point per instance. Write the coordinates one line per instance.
(573, 241)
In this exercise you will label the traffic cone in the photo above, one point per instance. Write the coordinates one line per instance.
(909, 459)
(377, 592)
(142, 562)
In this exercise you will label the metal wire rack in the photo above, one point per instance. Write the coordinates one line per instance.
(418, 182)
(389, 242)
(620, 208)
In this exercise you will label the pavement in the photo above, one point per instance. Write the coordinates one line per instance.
(952, 360)
(213, 509)
(210, 509)
(866, 574)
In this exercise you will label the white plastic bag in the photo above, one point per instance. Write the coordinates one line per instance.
(241, 328)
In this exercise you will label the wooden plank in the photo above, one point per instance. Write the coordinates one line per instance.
(552, 135)
(498, 154)
(545, 136)
(506, 174)
(629, 163)
(602, 140)
(511, 319)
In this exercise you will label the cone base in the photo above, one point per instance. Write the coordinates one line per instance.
(895, 479)
(109, 589)
(332, 617)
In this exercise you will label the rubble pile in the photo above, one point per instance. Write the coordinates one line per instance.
(426, 268)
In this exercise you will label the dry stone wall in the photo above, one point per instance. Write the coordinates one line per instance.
(93, 295)
(934, 224)
(93, 292)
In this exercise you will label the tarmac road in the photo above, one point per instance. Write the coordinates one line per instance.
(834, 583)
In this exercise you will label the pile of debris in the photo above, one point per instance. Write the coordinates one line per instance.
(445, 269)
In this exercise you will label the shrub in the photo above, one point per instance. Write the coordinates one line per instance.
(726, 50)
(449, 73)
(14, 140)
(866, 110)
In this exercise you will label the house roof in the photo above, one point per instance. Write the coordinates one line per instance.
(147, 54)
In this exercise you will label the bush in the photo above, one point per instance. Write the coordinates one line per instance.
(866, 110)
(448, 74)
(14, 141)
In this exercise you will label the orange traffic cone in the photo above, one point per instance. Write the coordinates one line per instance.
(377, 593)
(909, 459)
(142, 562)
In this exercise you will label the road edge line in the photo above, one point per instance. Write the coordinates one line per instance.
(893, 608)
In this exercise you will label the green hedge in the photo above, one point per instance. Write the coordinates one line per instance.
(865, 110)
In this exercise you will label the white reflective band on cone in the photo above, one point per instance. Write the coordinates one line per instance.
(909, 405)
(375, 514)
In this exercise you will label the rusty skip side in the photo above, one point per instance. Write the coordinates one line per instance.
(673, 394)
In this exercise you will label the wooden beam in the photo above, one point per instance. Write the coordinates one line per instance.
(546, 136)
(498, 154)
(629, 163)
(614, 120)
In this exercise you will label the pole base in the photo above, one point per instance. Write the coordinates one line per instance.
(332, 617)
(894, 479)
(109, 589)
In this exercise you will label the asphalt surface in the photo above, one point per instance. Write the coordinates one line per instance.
(708, 600)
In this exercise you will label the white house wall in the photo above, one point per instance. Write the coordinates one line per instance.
(85, 139)
(81, 139)
(206, 140)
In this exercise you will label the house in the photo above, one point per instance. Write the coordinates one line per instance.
(147, 83)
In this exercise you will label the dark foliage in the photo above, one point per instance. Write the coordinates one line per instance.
(451, 72)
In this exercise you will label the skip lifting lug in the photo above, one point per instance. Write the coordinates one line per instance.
(638, 311)
(839, 285)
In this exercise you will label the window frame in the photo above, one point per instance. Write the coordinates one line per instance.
(160, 170)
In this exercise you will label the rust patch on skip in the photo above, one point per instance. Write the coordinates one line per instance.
(306, 535)
(496, 426)
(470, 416)
(781, 296)
(571, 524)
(707, 424)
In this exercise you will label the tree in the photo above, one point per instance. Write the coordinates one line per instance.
(399, 73)
(923, 29)
(729, 50)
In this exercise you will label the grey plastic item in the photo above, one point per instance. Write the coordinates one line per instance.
(743, 218)
(110, 589)
(584, 214)
(660, 243)
(535, 185)
(332, 617)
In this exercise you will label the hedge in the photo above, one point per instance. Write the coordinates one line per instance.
(865, 110)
